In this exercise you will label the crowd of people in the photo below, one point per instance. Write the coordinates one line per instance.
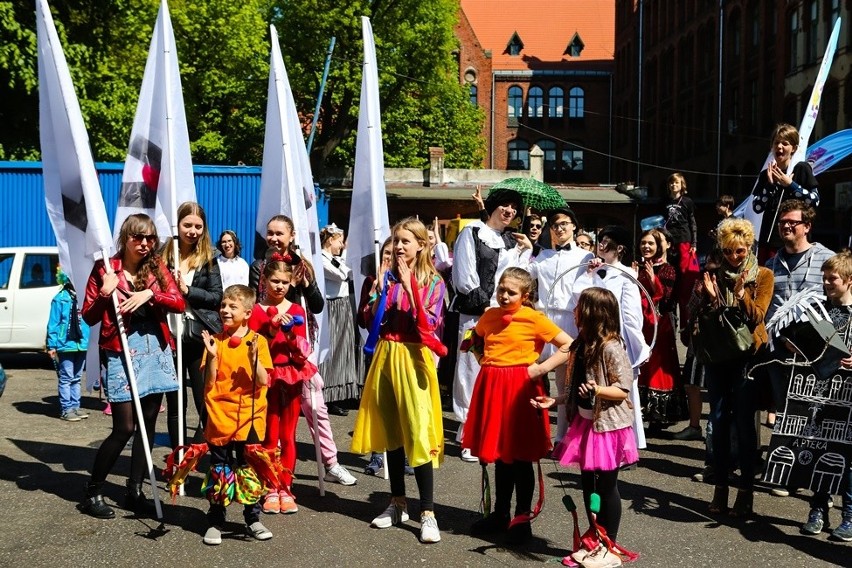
(531, 300)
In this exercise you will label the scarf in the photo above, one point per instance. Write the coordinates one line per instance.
(75, 333)
(730, 275)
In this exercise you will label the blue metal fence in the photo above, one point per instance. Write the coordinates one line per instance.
(228, 194)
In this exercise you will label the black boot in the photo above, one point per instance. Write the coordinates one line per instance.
(94, 503)
(135, 500)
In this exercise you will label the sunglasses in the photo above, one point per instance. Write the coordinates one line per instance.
(790, 223)
(535, 226)
(139, 237)
(739, 251)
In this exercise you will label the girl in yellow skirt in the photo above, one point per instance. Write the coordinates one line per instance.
(400, 408)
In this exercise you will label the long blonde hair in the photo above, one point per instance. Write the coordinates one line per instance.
(203, 252)
(424, 269)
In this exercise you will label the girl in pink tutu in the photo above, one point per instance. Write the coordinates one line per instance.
(501, 427)
(600, 439)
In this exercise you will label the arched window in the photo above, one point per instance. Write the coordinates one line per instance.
(519, 155)
(535, 102)
(549, 149)
(576, 102)
(555, 102)
(516, 101)
(474, 95)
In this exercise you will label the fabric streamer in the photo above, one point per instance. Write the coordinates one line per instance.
(373, 337)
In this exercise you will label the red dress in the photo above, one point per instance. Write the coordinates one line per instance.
(501, 423)
(660, 381)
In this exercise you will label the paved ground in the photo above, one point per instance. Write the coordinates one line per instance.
(44, 464)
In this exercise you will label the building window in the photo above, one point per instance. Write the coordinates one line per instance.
(755, 25)
(736, 36)
(519, 155)
(576, 103)
(811, 14)
(474, 95)
(833, 11)
(575, 46)
(515, 45)
(535, 102)
(516, 101)
(549, 149)
(572, 161)
(555, 102)
(794, 40)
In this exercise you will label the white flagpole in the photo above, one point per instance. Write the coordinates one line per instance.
(172, 216)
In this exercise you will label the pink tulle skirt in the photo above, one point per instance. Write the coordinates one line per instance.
(596, 451)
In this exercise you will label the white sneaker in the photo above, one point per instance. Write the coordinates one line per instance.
(391, 516)
(339, 474)
(429, 532)
(467, 456)
(258, 531)
(213, 536)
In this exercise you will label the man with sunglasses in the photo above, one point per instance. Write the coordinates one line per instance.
(797, 266)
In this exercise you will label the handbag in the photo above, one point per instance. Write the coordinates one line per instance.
(721, 334)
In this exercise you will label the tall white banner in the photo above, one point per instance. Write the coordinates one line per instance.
(368, 215)
(286, 181)
(71, 189)
(158, 170)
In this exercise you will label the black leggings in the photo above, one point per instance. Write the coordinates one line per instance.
(423, 475)
(605, 484)
(123, 427)
(194, 378)
(518, 477)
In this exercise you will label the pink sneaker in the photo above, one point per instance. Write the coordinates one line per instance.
(271, 504)
(288, 503)
(108, 410)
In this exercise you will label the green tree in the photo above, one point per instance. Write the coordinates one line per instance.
(422, 103)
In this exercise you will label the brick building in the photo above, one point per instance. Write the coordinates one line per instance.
(770, 54)
(543, 75)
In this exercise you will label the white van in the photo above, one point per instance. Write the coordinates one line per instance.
(27, 287)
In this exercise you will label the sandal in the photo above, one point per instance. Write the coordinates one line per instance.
(719, 504)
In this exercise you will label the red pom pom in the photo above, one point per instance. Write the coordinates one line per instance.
(234, 341)
(507, 319)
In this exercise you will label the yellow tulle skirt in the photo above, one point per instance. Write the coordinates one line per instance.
(401, 405)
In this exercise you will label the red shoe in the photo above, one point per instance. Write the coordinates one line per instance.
(108, 410)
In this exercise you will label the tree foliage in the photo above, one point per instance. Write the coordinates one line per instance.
(223, 49)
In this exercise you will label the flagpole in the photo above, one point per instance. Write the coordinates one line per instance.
(290, 163)
(377, 253)
(134, 391)
(167, 47)
(321, 91)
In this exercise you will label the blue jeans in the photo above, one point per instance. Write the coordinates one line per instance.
(732, 401)
(820, 500)
(69, 368)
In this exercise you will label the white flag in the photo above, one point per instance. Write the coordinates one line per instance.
(746, 209)
(158, 170)
(368, 215)
(71, 189)
(286, 181)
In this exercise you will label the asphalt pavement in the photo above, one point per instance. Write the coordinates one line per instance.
(45, 462)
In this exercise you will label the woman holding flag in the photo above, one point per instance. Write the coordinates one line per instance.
(146, 292)
(201, 285)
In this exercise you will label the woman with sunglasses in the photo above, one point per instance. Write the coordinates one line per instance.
(201, 285)
(146, 292)
(741, 282)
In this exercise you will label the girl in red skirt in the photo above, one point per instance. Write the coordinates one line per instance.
(501, 425)
(600, 438)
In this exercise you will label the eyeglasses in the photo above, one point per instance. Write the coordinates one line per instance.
(739, 252)
(790, 223)
(535, 226)
(561, 226)
(139, 237)
(584, 245)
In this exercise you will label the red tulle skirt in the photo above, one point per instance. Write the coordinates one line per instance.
(501, 423)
